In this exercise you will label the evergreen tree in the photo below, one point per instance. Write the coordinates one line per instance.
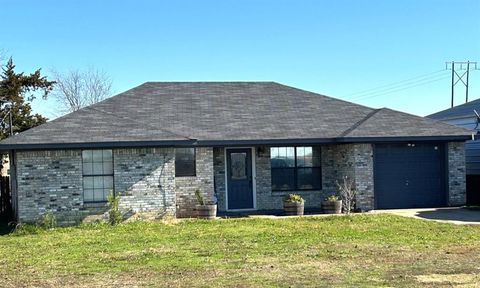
(16, 91)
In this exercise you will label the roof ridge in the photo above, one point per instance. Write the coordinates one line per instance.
(133, 120)
(323, 95)
(360, 122)
(211, 82)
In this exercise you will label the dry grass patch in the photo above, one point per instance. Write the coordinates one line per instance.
(457, 280)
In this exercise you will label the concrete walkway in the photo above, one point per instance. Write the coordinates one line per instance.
(455, 215)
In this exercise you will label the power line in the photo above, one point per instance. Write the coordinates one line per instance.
(393, 90)
(397, 83)
(412, 83)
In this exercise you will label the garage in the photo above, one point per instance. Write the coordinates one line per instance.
(410, 175)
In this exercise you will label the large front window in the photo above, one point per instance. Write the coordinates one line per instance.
(296, 168)
(97, 175)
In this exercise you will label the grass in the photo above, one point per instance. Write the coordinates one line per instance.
(359, 250)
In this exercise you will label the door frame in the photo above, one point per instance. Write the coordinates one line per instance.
(254, 179)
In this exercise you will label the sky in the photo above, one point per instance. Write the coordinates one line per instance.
(376, 53)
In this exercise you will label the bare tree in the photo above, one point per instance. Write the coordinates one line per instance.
(77, 89)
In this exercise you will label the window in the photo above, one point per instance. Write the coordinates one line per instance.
(184, 162)
(97, 175)
(296, 168)
(238, 167)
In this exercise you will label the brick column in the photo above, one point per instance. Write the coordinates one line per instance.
(456, 174)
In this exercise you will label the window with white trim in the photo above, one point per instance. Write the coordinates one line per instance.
(97, 175)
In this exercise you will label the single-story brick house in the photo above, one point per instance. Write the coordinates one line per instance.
(246, 143)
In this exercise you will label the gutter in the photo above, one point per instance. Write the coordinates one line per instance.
(221, 143)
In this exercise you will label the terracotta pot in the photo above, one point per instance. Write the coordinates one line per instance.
(329, 207)
(294, 208)
(208, 211)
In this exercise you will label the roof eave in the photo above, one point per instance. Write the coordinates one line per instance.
(97, 145)
(233, 143)
(377, 139)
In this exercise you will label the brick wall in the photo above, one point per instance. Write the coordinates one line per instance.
(219, 174)
(145, 177)
(364, 181)
(456, 173)
(266, 199)
(49, 181)
(203, 180)
(354, 161)
(52, 181)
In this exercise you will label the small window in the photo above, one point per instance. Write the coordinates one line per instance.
(184, 162)
(296, 168)
(239, 170)
(97, 175)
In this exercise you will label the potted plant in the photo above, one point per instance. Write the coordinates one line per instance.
(205, 210)
(332, 205)
(293, 204)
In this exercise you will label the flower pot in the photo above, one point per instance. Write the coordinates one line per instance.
(208, 211)
(293, 208)
(332, 207)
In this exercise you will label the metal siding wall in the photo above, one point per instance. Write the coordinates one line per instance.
(472, 148)
(472, 157)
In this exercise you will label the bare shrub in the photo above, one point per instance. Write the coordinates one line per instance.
(346, 189)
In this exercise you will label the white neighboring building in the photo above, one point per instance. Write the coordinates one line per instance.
(464, 116)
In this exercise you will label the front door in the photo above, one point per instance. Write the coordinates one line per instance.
(239, 179)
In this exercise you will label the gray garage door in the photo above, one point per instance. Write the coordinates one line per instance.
(409, 175)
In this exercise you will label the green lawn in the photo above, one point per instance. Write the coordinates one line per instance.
(360, 250)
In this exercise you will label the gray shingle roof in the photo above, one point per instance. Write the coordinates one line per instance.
(390, 123)
(460, 111)
(227, 112)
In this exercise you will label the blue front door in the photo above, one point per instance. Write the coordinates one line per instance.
(239, 179)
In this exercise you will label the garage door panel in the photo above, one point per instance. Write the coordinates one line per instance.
(408, 176)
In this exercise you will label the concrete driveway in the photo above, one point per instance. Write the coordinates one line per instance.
(455, 215)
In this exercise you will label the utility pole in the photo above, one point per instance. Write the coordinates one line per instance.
(459, 70)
